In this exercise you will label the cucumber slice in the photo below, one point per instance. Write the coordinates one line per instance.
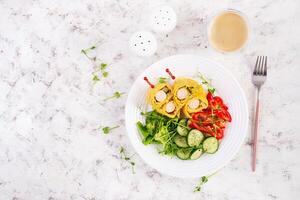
(184, 153)
(181, 127)
(210, 145)
(195, 138)
(180, 141)
(196, 154)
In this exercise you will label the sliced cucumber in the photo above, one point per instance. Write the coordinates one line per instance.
(196, 154)
(181, 128)
(180, 141)
(210, 145)
(195, 138)
(184, 153)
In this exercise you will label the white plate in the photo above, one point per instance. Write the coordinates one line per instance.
(227, 87)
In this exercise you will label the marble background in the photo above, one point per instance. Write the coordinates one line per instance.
(50, 111)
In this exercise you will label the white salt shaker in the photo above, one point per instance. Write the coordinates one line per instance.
(163, 19)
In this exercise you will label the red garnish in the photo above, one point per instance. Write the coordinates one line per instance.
(150, 84)
(170, 73)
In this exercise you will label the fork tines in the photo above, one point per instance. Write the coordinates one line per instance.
(260, 68)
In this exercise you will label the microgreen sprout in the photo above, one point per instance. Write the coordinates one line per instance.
(116, 95)
(107, 129)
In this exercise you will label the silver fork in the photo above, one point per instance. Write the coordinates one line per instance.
(258, 79)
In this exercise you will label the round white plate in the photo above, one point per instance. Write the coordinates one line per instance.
(227, 87)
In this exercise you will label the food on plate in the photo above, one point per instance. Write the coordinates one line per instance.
(158, 94)
(212, 120)
(181, 91)
(194, 104)
(186, 121)
(170, 109)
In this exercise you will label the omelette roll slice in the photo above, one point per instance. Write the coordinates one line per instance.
(170, 109)
(195, 88)
(159, 95)
(185, 88)
(194, 104)
(181, 92)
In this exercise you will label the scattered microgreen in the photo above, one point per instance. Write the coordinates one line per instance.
(116, 95)
(207, 83)
(105, 74)
(86, 52)
(132, 167)
(95, 78)
(163, 79)
(107, 129)
(127, 158)
(103, 66)
(202, 181)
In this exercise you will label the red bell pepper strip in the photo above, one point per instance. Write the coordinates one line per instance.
(205, 129)
(199, 115)
(223, 114)
(219, 133)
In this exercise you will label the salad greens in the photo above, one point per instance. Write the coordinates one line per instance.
(159, 129)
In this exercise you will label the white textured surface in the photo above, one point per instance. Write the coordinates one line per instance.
(49, 110)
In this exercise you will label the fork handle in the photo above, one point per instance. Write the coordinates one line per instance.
(254, 141)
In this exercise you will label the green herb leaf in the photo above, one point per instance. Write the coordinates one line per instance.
(116, 95)
(88, 49)
(197, 189)
(142, 130)
(211, 90)
(85, 52)
(132, 167)
(107, 129)
(132, 163)
(207, 83)
(103, 66)
(104, 74)
(122, 150)
(163, 79)
(203, 180)
(95, 78)
(127, 159)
